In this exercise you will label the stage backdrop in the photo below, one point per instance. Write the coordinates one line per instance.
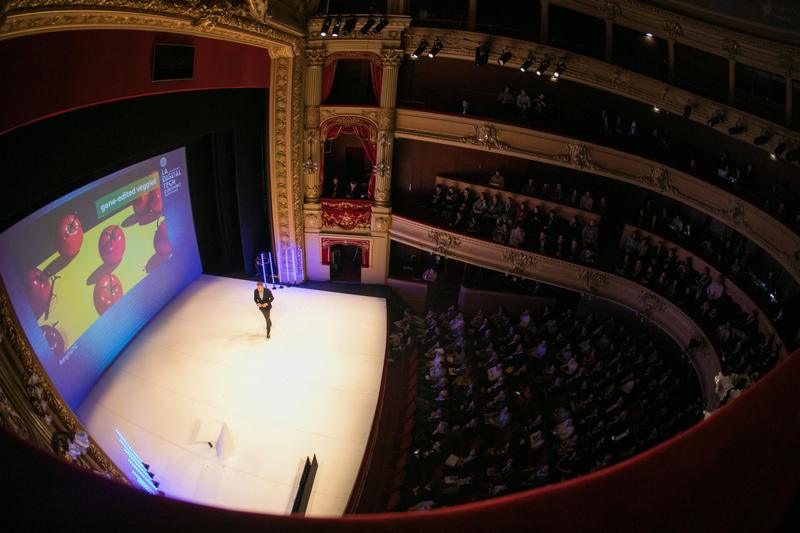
(86, 272)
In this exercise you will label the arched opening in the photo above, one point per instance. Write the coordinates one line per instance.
(351, 78)
(348, 160)
(345, 263)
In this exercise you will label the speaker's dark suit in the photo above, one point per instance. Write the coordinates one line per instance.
(265, 299)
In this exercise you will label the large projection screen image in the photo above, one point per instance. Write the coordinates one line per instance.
(88, 271)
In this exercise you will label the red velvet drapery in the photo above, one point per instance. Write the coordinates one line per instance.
(366, 132)
(376, 75)
(328, 73)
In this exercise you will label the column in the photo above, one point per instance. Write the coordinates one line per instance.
(609, 54)
(390, 60)
(311, 149)
(789, 99)
(731, 81)
(472, 15)
(545, 26)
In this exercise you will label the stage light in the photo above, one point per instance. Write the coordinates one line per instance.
(527, 63)
(481, 54)
(349, 26)
(437, 46)
(420, 49)
(738, 129)
(503, 59)
(368, 25)
(649, 35)
(543, 66)
(716, 119)
(763, 138)
(560, 68)
(336, 27)
(656, 109)
(326, 25)
(382, 24)
(778, 151)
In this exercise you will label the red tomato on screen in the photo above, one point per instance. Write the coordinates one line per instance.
(161, 240)
(112, 244)
(54, 339)
(69, 236)
(107, 292)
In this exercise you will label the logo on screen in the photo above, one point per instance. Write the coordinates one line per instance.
(163, 162)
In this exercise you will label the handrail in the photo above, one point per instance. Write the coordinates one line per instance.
(584, 279)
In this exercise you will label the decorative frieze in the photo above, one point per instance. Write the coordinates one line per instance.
(486, 136)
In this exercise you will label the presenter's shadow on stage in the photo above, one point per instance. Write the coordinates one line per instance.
(249, 336)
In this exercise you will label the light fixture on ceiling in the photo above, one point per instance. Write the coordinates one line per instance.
(420, 49)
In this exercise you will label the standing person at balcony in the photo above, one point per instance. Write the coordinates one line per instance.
(517, 236)
(506, 101)
(352, 190)
(524, 105)
(587, 202)
(497, 180)
(465, 108)
(335, 189)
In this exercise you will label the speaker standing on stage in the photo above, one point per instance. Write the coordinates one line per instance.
(263, 298)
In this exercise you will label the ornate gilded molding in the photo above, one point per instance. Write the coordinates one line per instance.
(651, 302)
(391, 57)
(315, 57)
(593, 280)
(733, 48)
(579, 156)
(380, 223)
(659, 179)
(485, 136)
(31, 406)
(520, 262)
(312, 221)
(443, 242)
(611, 10)
(673, 29)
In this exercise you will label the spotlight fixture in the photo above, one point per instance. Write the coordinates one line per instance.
(527, 63)
(382, 24)
(368, 25)
(649, 35)
(437, 46)
(350, 25)
(716, 119)
(560, 68)
(763, 138)
(326, 25)
(656, 109)
(481, 54)
(336, 27)
(738, 129)
(505, 57)
(778, 151)
(420, 49)
(543, 66)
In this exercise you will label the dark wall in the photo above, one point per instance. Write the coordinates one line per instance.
(223, 130)
(60, 71)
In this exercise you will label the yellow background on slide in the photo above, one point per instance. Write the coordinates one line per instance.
(73, 296)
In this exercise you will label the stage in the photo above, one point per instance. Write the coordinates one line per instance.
(205, 360)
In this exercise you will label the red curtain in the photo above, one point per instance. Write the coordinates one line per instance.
(368, 143)
(328, 73)
(376, 74)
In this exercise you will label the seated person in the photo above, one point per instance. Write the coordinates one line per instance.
(497, 180)
(353, 190)
(334, 189)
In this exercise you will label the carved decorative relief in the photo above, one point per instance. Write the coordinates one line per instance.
(652, 302)
(312, 220)
(295, 134)
(312, 118)
(520, 262)
(579, 156)
(386, 118)
(443, 241)
(659, 178)
(315, 57)
(593, 279)
(732, 47)
(673, 29)
(380, 223)
(788, 63)
(485, 136)
(391, 57)
(611, 9)
(10, 418)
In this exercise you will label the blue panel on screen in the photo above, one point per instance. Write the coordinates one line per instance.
(88, 271)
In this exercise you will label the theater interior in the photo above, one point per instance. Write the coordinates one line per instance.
(533, 264)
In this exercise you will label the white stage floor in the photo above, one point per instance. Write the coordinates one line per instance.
(310, 389)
